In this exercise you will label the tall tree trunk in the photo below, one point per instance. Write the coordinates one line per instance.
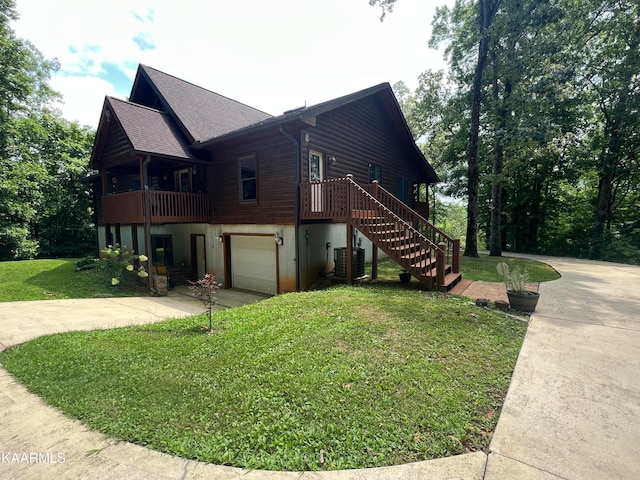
(486, 13)
(608, 164)
(495, 237)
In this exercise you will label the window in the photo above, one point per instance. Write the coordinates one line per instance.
(162, 250)
(375, 172)
(248, 175)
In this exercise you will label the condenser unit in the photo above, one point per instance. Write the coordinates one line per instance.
(340, 260)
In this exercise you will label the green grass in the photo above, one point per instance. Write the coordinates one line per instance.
(479, 269)
(484, 268)
(53, 279)
(342, 378)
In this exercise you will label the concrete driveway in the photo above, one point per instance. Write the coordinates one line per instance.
(22, 321)
(573, 406)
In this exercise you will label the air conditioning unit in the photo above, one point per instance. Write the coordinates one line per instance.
(340, 260)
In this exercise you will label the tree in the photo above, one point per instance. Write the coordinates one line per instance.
(556, 156)
(44, 207)
(612, 64)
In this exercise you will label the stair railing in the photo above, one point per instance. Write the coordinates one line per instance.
(371, 217)
(437, 236)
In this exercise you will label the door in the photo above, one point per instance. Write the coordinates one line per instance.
(254, 263)
(316, 174)
(198, 257)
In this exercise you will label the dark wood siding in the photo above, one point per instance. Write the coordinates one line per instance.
(276, 181)
(117, 149)
(359, 134)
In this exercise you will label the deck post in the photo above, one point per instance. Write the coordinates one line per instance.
(455, 260)
(440, 261)
(349, 254)
(374, 261)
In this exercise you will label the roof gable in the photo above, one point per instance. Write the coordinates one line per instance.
(200, 113)
(148, 131)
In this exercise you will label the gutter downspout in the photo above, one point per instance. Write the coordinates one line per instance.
(147, 223)
(297, 202)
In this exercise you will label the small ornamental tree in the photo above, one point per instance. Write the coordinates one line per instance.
(205, 289)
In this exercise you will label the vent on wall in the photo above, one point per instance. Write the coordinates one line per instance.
(340, 259)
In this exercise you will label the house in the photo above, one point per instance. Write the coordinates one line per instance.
(202, 184)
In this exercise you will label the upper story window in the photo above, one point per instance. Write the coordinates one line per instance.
(248, 178)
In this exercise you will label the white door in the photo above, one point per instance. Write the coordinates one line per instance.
(316, 174)
(253, 263)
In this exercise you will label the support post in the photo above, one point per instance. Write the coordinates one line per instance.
(455, 260)
(349, 254)
(374, 261)
(440, 261)
(147, 223)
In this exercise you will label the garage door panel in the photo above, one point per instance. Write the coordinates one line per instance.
(253, 263)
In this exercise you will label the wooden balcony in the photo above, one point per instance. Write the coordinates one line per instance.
(166, 207)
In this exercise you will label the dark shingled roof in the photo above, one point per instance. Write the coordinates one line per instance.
(202, 113)
(150, 131)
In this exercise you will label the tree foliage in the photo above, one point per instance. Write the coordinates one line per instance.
(44, 206)
(558, 122)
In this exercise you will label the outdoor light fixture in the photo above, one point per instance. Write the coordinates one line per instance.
(332, 160)
(278, 238)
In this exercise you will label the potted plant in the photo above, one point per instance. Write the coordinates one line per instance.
(515, 280)
(405, 277)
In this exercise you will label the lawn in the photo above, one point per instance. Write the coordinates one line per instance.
(479, 269)
(53, 279)
(347, 377)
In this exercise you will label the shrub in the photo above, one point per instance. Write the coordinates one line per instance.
(116, 261)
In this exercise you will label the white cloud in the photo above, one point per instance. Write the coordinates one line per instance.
(271, 55)
(83, 97)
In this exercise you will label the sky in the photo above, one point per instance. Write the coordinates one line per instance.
(273, 55)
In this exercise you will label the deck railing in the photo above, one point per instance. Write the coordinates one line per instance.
(166, 207)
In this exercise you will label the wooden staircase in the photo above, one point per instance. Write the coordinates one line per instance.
(430, 255)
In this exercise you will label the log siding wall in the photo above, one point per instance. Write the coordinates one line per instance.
(357, 135)
(275, 185)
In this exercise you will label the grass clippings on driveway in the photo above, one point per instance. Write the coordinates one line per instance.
(348, 377)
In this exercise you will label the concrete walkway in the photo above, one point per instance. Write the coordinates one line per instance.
(571, 412)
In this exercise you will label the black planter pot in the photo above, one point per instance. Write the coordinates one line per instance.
(405, 277)
(523, 301)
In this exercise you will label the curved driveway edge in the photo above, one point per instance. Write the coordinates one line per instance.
(573, 406)
(39, 442)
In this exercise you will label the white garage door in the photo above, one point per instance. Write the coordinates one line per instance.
(253, 263)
